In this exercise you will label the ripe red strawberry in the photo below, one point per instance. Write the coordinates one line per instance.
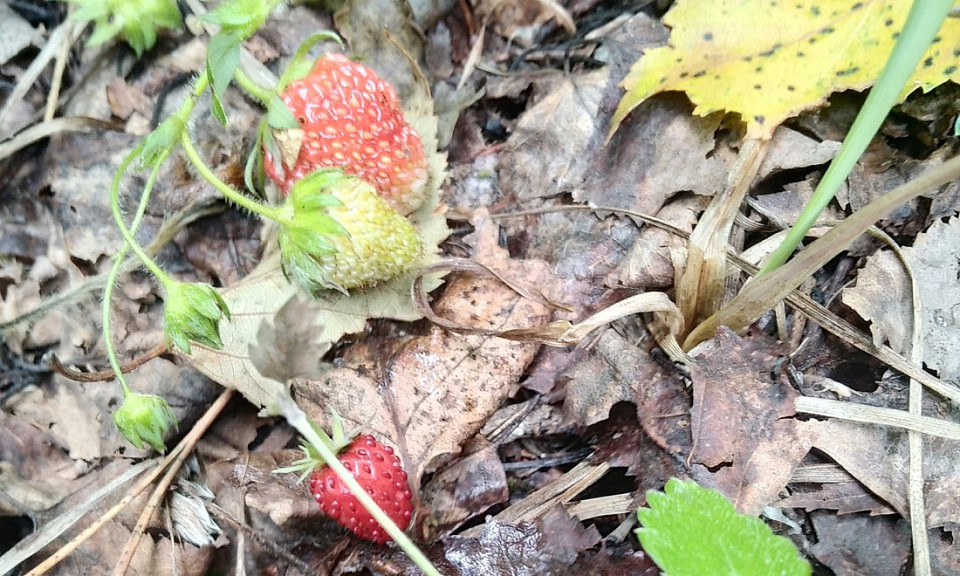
(379, 471)
(351, 119)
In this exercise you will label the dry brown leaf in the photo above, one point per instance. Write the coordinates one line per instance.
(852, 545)
(465, 489)
(882, 295)
(741, 422)
(548, 152)
(439, 390)
(877, 457)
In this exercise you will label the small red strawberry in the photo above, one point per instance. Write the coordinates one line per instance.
(350, 118)
(375, 468)
(379, 471)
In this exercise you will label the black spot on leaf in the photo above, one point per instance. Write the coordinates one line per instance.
(700, 73)
(759, 120)
(950, 70)
(815, 10)
(928, 63)
(708, 36)
(757, 87)
(771, 51)
(888, 22)
(790, 88)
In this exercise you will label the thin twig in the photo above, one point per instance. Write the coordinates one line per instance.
(186, 447)
(190, 439)
(108, 374)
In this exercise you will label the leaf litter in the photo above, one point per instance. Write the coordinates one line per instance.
(429, 391)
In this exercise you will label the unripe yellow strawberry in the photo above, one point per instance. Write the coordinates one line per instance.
(338, 233)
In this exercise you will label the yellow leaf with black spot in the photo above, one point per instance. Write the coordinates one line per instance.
(768, 60)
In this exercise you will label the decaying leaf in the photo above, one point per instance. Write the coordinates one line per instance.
(745, 442)
(882, 295)
(795, 55)
(440, 389)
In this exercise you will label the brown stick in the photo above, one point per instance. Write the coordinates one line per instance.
(175, 455)
(108, 374)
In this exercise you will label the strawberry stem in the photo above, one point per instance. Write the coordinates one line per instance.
(298, 419)
(122, 253)
(264, 95)
(237, 198)
(129, 241)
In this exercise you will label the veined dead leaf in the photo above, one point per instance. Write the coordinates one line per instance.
(794, 56)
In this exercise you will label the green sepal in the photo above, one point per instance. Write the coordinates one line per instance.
(311, 457)
(144, 418)
(279, 116)
(223, 58)
(192, 312)
(301, 63)
(135, 22)
(253, 172)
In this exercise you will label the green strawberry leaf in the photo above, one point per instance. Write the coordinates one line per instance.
(241, 18)
(223, 58)
(690, 531)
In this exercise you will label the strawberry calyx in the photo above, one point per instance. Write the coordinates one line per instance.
(336, 233)
(312, 460)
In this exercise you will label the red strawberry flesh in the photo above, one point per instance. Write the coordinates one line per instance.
(379, 471)
(352, 119)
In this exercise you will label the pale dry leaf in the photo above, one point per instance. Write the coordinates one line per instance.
(790, 149)
(610, 373)
(882, 295)
(660, 151)
(548, 150)
(441, 388)
(291, 346)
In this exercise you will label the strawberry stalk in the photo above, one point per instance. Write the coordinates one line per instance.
(298, 419)
(141, 417)
(271, 212)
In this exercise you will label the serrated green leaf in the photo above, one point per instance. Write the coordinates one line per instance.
(691, 531)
